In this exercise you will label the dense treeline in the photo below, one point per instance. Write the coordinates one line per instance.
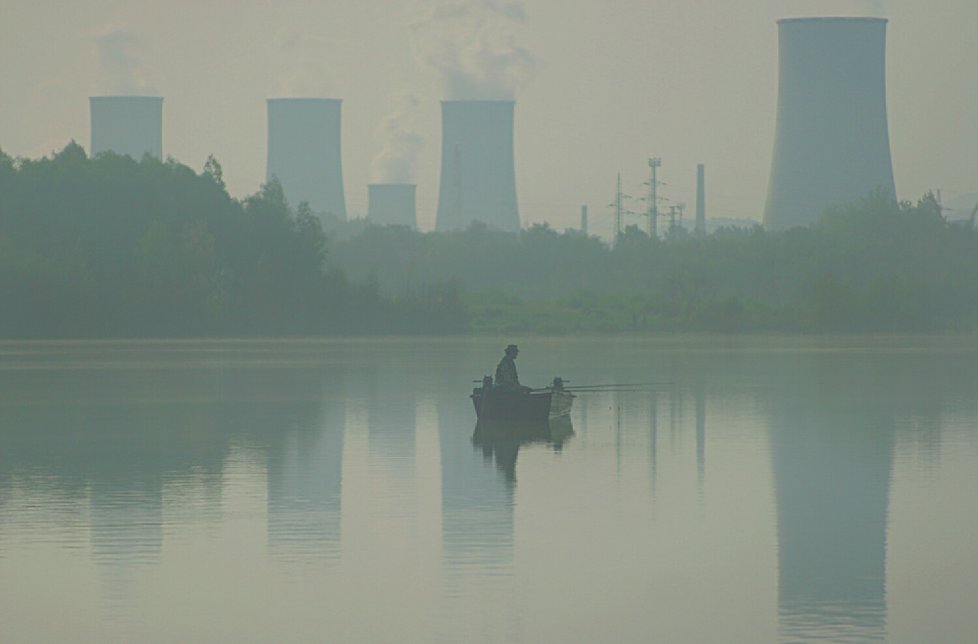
(112, 247)
(874, 266)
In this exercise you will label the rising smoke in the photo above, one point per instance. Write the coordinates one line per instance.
(474, 47)
(303, 57)
(400, 144)
(846, 8)
(120, 62)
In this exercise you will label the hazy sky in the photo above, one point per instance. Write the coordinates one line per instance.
(599, 87)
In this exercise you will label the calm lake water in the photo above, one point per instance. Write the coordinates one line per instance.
(764, 490)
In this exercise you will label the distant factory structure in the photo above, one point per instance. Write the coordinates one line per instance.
(127, 125)
(392, 204)
(832, 144)
(478, 176)
(700, 228)
(304, 152)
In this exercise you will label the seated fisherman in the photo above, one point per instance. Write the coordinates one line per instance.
(506, 376)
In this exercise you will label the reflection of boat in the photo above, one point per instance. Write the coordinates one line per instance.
(501, 440)
(500, 403)
(555, 431)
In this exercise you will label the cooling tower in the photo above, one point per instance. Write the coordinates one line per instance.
(304, 152)
(131, 125)
(478, 179)
(391, 203)
(831, 144)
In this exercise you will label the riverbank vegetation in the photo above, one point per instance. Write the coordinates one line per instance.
(875, 266)
(111, 247)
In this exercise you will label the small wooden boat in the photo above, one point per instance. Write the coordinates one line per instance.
(502, 403)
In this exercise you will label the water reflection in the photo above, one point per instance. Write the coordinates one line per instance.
(142, 467)
(833, 431)
(477, 504)
(500, 441)
(305, 470)
(143, 440)
(391, 399)
(832, 446)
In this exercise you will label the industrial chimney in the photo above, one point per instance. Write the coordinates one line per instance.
(392, 204)
(831, 145)
(478, 178)
(304, 152)
(131, 125)
(700, 200)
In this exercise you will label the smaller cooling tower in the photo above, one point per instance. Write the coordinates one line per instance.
(130, 125)
(831, 144)
(391, 204)
(304, 152)
(478, 177)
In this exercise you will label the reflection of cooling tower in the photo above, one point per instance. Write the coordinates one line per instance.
(304, 152)
(478, 179)
(831, 144)
(131, 125)
(832, 443)
(391, 203)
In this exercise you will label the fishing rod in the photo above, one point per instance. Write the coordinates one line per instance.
(615, 386)
(610, 387)
(633, 386)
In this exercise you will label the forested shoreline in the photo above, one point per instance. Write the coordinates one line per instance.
(872, 267)
(112, 247)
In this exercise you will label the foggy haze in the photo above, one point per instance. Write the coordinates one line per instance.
(598, 88)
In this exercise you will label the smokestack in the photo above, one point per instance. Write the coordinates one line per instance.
(584, 220)
(392, 203)
(304, 152)
(131, 125)
(478, 178)
(832, 145)
(700, 200)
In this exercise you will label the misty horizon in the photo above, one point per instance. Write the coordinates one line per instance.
(690, 86)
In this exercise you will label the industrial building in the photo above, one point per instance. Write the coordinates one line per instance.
(127, 125)
(832, 144)
(392, 204)
(304, 152)
(478, 177)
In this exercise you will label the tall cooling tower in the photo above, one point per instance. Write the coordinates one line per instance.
(478, 178)
(831, 144)
(131, 125)
(304, 152)
(392, 203)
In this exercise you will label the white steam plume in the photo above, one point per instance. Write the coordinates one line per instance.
(120, 62)
(400, 144)
(872, 8)
(473, 45)
(303, 57)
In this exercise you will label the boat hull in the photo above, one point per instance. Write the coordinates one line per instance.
(503, 404)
